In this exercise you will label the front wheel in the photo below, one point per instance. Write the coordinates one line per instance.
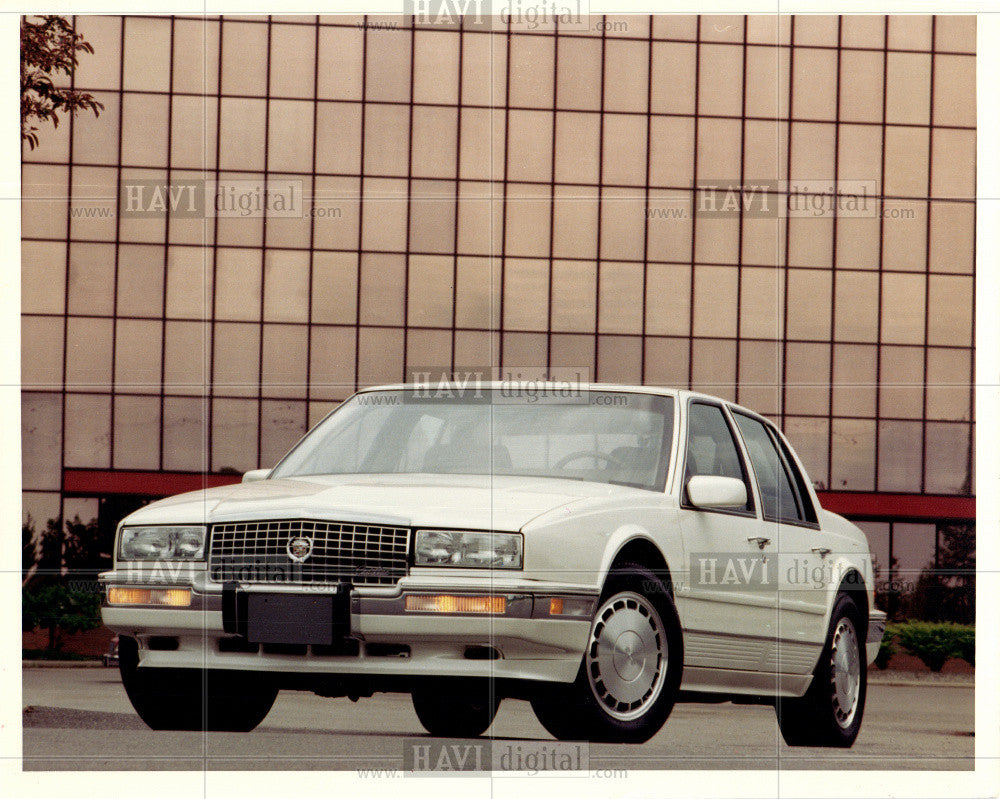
(189, 699)
(456, 711)
(630, 673)
(830, 712)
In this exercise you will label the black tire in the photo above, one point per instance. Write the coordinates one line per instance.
(457, 710)
(191, 699)
(624, 691)
(830, 713)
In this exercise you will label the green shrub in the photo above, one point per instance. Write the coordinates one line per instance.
(935, 642)
(59, 609)
(886, 650)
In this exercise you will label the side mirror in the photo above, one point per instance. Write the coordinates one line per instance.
(256, 474)
(712, 491)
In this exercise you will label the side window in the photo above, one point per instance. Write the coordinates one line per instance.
(781, 489)
(711, 449)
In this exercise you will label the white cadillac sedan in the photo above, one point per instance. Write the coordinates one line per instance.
(604, 554)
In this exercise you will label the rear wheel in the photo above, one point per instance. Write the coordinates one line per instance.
(630, 673)
(190, 699)
(458, 711)
(830, 712)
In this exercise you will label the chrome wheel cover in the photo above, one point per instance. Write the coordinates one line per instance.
(626, 657)
(845, 672)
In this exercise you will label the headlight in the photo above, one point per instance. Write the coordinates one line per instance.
(469, 549)
(162, 543)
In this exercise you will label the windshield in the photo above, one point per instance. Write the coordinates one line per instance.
(604, 437)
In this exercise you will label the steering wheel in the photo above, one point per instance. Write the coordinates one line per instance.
(610, 459)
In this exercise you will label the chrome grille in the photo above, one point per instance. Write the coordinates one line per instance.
(258, 552)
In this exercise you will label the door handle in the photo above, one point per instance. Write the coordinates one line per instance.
(759, 540)
(821, 551)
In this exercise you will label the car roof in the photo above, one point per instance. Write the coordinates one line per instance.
(680, 393)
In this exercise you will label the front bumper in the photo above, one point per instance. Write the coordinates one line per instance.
(876, 629)
(524, 642)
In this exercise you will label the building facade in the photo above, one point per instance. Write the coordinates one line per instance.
(776, 210)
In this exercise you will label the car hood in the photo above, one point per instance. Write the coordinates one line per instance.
(481, 502)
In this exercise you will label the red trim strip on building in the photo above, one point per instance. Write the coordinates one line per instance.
(933, 507)
(104, 482)
(854, 504)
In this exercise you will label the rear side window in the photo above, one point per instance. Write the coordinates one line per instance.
(782, 488)
(711, 448)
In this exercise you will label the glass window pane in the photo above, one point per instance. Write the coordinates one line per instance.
(293, 60)
(719, 80)
(91, 278)
(955, 90)
(284, 361)
(778, 496)
(147, 54)
(532, 71)
(574, 292)
(380, 356)
(574, 222)
(671, 141)
(95, 139)
(189, 282)
(137, 355)
(863, 30)
(715, 304)
(187, 357)
(477, 297)
(952, 237)
(234, 435)
(809, 304)
(807, 379)
(41, 352)
(331, 369)
(238, 284)
(624, 149)
(242, 130)
(103, 33)
(668, 300)
(526, 292)
(527, 224)
(899, 456)
(41, 441)
(621, 298)
(673, 76)
(949, 378)
(385, 213)
(853, 443)
(243, 70)
(428, 348)
(383, 289)
(340, 63)
(88, 356)
(623, 214)
(339, 227)
(950, 312)
(625, 75)
(140, 280)
(435, 76)
(185, 433)
(908, 87)
(811, 439)
(430, 290)
(289, 136)
(619, 359)
(144, 129)
(571, 352)
(435, 133)
(901, 382)
(912, 548)
(286, 286)
(530, 145)
(903, 308)
(760, 376)
(44, 194)
(947, 468)
(236, 367)
(334, 288)
(854, 380)
(713, 367)
(193, 129)
(432, 216)
(856, 306)
(137, 433)
(711, 449)
(387, 66)
(196, 56)
(667, 362)
(88, 431)
(43, 277)
(282, 424)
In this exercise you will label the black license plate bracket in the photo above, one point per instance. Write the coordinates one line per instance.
(320, 618)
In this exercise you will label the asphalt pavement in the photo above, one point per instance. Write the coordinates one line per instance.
(80, 719)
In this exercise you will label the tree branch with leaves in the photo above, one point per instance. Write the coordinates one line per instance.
(50, 46)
